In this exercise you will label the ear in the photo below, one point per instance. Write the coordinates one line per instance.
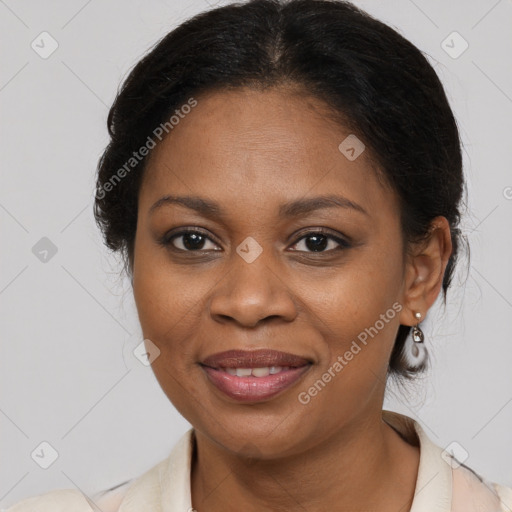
(425, 266)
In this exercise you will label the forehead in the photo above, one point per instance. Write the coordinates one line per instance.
(254, 147)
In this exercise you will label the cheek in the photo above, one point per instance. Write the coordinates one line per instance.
(168, 313)
(358, 310)
(161, 292)
(168, 307)
(170, 301)
(358, 324)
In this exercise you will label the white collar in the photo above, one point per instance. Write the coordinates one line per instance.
(166, 487)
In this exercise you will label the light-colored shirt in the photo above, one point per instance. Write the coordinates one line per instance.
(442, 484)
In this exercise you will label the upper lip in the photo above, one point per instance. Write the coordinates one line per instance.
(254, 359)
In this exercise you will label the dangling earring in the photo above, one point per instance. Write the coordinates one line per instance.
(417, 333)
(414, 350)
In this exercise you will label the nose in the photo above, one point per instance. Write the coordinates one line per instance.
(251, 293)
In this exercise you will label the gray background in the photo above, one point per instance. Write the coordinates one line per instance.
(68, 324)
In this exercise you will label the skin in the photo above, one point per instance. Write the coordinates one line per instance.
(252, 151)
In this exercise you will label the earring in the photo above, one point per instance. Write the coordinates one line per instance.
(417, 333)
(414, 351)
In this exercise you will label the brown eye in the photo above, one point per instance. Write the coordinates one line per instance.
(319, 241)
(187, 241)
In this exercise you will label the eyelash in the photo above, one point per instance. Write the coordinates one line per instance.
(167, 240)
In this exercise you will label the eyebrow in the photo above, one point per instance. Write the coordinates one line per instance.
(209, 208)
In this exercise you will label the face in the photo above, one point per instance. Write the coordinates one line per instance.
(268, 268)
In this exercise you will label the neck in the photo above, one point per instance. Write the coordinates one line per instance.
(364, 466)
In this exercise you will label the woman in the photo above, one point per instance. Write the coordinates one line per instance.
(284, 182)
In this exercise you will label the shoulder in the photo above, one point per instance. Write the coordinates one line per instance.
(62, 500)
(140, 493)
(472, 492)
(65, 500)
(110, 500)
(443, 479)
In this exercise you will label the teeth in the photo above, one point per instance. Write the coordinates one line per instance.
(255, 372)
(261, 372)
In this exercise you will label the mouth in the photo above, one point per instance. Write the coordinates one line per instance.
(262, 358)
(251, 376)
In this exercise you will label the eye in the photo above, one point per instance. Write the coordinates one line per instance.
(188, 240)
(194, 240)
(318, 241)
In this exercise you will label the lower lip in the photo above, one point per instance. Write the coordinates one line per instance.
(254, 389)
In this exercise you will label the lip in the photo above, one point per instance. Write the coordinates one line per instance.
(254, 359)
(250, 388)
(254, 389)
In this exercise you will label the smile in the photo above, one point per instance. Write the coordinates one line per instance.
(254, 384)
